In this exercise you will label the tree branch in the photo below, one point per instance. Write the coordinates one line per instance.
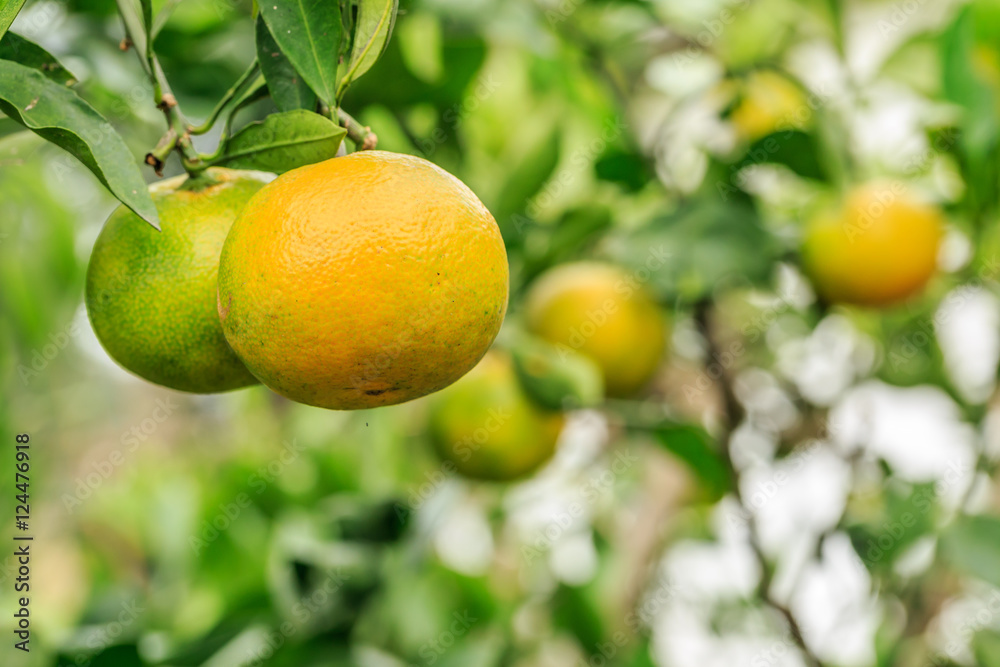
(361, 135)
(734, 414)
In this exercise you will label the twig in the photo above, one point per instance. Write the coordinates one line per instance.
(230, 95)
(164, 99)
(734, 415)
(361, 135)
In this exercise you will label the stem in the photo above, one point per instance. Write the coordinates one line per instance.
(247, 76)
(734, 414)
(164, 99)
(361, 135)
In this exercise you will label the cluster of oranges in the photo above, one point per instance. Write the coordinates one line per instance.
(377, 278)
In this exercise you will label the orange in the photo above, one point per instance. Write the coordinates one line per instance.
(151, 295)
(361, 281)
(878, 248)
(769, 103)
(602, 312)
(488, 428)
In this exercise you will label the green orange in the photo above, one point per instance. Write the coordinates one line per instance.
(362, 281)
(488, 428)
(151, 294)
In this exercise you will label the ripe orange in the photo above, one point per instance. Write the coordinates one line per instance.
(362, 281)
(488, 428)
(769, 103)
(880, 247)
(151, 295)
(603, 313)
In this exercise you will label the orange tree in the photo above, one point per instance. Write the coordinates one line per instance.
(734, 415)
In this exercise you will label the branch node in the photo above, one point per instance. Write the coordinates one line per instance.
(156, 163)
(125, 44)
(167, 102)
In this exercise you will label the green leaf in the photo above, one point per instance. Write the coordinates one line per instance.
(20, 50)
(691, 252)
(288, 90)
(695, 447)
(794, 149)
(308, 32)
(527, 178)
(57, 114)
(284, 141)
(972, 546)
(557, 378)
(627, 168)
(908, 513)
(147, 25)
(372, 30)
(8, 12)
(986, 646)
(979, 142)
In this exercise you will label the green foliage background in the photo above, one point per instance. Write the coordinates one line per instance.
(243, 529)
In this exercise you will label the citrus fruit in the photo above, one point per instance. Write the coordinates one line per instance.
(602, 312)
(487, 426)
(361, 281)
(769, 103)
(878, 248)
(151, 295)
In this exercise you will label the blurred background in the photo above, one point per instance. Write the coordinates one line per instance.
(813, 487)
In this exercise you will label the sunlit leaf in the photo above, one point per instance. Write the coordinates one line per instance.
(284, 141)
(288, 89)
(57, 114)
(372, 30)
(20, 50)
(308, 32)
(8, 12)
